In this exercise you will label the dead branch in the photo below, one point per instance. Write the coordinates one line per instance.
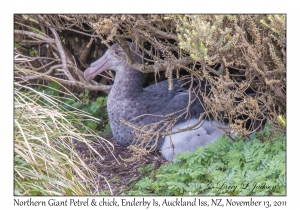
(82, 84)
(155, 30)
(34, 35)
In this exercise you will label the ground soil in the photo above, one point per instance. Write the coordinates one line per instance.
(120, 168)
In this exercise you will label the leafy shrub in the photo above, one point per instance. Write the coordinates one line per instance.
(223, 168)
(250, 51)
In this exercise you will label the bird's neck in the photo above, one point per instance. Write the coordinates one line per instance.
(128, 83)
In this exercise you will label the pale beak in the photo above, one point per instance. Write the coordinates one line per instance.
(101, 65)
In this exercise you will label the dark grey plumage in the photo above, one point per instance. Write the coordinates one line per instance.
(128, 99)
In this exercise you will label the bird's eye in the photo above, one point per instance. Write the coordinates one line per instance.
(198, 134)
(116, 52)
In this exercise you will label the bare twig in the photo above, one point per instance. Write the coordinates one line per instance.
(34, 35)
(157, 31)
(62, 55)
(158, 66)
(84, 84)
(215, 72)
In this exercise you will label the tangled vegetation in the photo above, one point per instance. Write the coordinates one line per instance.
(241, 57)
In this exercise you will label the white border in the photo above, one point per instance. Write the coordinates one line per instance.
(8, 8)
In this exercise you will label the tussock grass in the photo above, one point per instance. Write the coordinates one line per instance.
(45, 160)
